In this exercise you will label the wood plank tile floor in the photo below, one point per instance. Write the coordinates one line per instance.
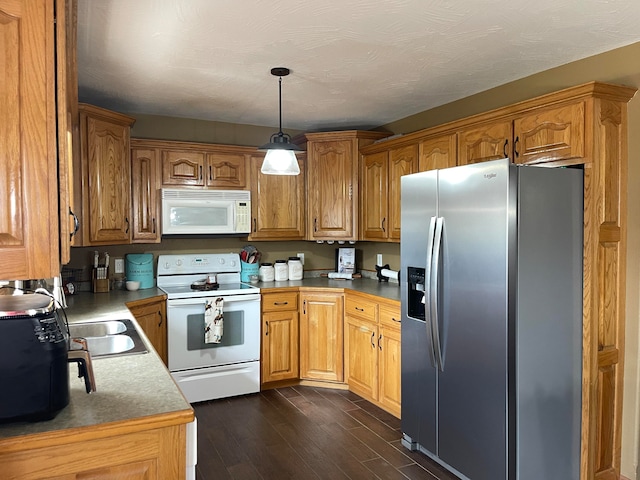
(304, 433)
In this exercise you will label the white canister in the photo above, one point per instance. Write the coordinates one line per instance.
(282, 271)
(266, 273)
(295, 268)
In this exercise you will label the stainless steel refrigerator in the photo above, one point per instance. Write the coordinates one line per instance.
(491, 285)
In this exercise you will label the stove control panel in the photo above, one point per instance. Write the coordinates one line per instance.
(198, 263)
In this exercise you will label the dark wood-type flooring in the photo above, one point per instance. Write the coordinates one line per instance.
(304, 433)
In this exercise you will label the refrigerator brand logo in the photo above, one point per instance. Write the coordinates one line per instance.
(489, 176)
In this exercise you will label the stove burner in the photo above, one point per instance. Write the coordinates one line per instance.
(204, 286)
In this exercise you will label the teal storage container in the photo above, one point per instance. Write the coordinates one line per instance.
(139, 267)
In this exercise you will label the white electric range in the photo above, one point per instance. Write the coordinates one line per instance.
(205, 371)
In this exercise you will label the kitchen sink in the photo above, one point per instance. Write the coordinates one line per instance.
(108, 337)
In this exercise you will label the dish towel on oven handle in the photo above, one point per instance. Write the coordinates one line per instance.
(213, 321)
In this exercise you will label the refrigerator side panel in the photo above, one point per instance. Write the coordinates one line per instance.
(472, 392)
(549, 323)
(418, 205)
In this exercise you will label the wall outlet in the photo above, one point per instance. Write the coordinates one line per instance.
(301, 257)
(118, 265)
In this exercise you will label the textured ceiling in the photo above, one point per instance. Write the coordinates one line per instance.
(354, 63)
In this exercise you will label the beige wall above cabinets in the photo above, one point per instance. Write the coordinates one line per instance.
(332, 182)
(102, 178)
(29, 230)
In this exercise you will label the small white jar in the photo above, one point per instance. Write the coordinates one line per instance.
(295, 268)
(281, 271)
(266, 272)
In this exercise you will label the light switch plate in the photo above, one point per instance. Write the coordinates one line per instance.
(118, 265)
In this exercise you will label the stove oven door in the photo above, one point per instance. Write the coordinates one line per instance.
(186, 339)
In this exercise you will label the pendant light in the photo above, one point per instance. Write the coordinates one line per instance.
(281, 153)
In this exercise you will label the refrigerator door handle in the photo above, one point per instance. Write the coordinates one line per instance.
(428, 297)
(434, 277)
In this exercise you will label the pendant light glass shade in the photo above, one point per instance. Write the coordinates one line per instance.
(281, 153)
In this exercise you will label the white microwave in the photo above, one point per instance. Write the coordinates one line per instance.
(205, 212)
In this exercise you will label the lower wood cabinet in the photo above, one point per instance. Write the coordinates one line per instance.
(279, 336)
(372, 350)
(321, 335)
(151, 315)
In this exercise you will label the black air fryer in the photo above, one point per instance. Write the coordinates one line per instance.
(34, 373)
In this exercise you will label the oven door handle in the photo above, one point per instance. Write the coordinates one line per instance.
(227, 299)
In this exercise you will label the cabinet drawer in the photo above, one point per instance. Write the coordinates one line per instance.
(274, 302)
(361, 308)
(390, 316)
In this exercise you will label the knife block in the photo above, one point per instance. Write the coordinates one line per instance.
(100, 285)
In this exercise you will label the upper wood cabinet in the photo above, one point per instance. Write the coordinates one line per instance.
(204, 165)
(277, 203)
(438, 152)
(29, 233)
(380, 191)
(103, 177)
(145, 198)
(332, 183)
(542, 135)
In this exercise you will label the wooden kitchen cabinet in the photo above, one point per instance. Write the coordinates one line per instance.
(438, 152)
(542, 135)
(151, 315)
(321, 335)
(280, 320)
(203, 165)
(380, 192)
(29, 233)
(277, 203)
(145, 198)
(332, 183)
(372, 350)
(102, 177)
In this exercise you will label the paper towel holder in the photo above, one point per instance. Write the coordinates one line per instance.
(381, 276)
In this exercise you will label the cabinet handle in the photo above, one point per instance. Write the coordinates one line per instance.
(200, 172)
(359, 309)
(504, 149)
(315, 224)
(210, 174)
(515, 147)
(76, 223)
(350, 191)
(383, 220)
(161, 319)
(395, 319)
(154, 224)
(126, 219)
(373, 335)
(380, 340)
(281, 303)
(255, 225)
(304, 307)
(266, 332)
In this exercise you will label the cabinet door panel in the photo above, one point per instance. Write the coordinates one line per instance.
(28, 169)
(361, 365)
(279, 346)
(109, 181)
(321, 336)
(277, 204)
(331, 170)
(402, 161)
(486, 142)
(227, 170)
(182, 168)
(389, 368)
(438, 152)
(549, 135)
(374, 203)
(145, 201)
(152, 318)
